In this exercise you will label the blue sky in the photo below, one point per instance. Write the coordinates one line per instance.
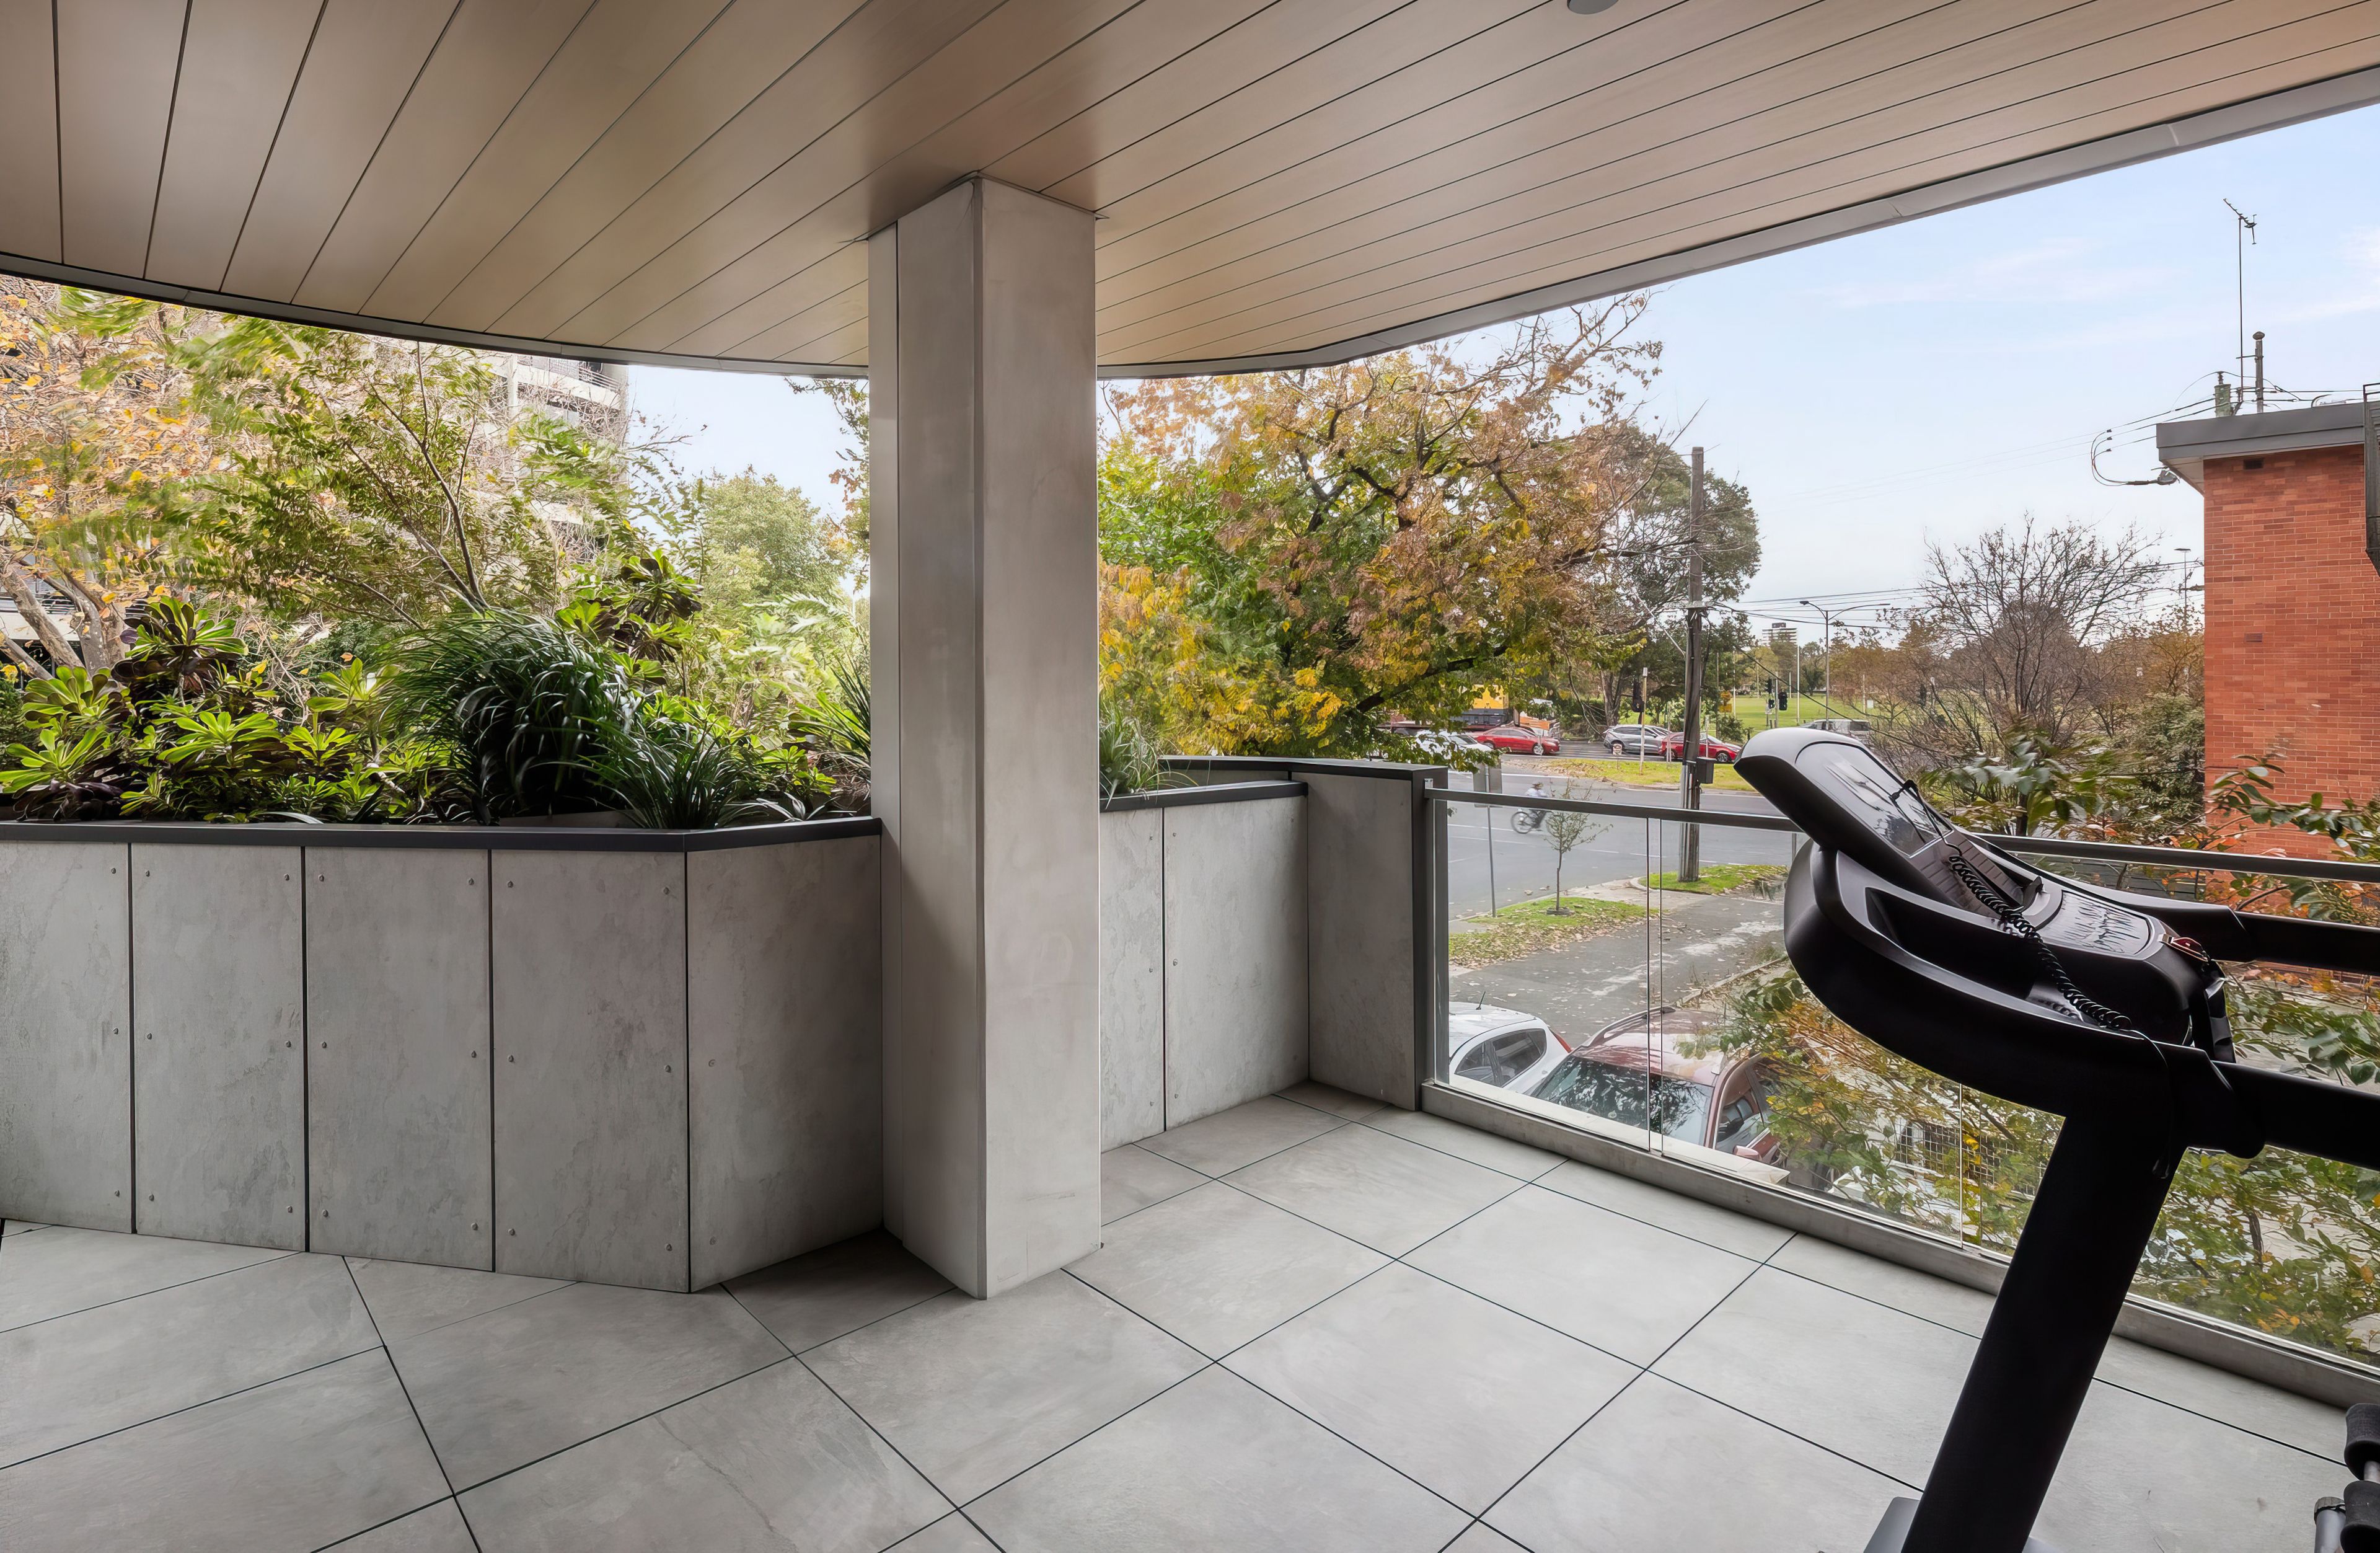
(1922, 383)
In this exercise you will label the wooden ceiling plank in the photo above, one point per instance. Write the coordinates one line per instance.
(1410, 308)
(846, 347)
(1415, 60)
(1952, 151)
(28, 135)
(2178, 52)
(807, 204)
(1523, 66)
(1631, 74)
(790, 298)
(365, 57)
(798, 336)
(742, 55)
(617, 52)
(1263, 45)
(1947, 83)
(490, 55)
(238, 64)
(1589, 134)
(881, 45)
(116, 61)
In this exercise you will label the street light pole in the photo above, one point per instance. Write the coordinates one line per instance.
(1689, 777)
(1826, 630)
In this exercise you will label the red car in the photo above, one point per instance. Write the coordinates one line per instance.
(1514, 739)
(1719, 750)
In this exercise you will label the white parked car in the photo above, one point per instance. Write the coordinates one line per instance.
(1500, 1047)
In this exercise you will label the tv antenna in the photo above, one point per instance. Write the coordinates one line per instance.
(2243, 234)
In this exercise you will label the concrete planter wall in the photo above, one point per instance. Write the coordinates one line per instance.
(1203, 953)
(1376, 962)
(638, 1058)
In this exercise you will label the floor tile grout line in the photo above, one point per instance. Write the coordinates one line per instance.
(1336, 1122)
(615, 1428)
(1642, 1371)
(1558, 1160)
(186, 1407)
(2097, 1378)
(1790, 1235)
(162, 1288)
(869, 1424)
(864, 1326)
(417, 1510)
(756, 1320)
(509, 1304)
(410, 1406)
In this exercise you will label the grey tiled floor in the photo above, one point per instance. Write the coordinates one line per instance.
(1314, 1324)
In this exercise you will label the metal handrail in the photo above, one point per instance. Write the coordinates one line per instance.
(2194, 859)
(1626, 811)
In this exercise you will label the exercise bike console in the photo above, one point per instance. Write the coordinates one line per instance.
(2103, 1007)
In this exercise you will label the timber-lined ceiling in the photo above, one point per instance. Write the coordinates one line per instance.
(1299, 181)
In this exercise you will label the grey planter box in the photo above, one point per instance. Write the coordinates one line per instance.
(638, 1058)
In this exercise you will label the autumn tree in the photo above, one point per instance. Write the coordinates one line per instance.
(1383, 537)
(92, 423)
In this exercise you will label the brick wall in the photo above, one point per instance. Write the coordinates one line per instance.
(2293, 626)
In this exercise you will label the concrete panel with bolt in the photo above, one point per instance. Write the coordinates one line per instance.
(785, 1012)
(398, 1119)
(1132, 976)
(65, 1064)
(587, 982)
(1236, 954)
(219, 1085)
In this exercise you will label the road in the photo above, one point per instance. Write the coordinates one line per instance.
(1579, 988)
(1486, 860)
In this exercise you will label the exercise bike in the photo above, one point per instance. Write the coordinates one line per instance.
(2102, 1006)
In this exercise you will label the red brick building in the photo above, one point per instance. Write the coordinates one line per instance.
(2292, 598)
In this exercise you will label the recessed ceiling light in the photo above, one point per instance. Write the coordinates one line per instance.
(1590, 8)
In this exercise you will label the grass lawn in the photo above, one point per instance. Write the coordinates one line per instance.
(1719, 878)
(1532, 925)
(1652, 774)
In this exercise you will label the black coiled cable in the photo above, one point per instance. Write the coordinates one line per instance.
(2012, 917)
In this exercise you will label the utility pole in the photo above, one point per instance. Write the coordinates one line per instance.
(2260, 372)
(1690, 788)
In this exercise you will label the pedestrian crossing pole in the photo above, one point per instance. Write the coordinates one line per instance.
(1690, 788)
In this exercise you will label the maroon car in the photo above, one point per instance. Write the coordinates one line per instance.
(1516, 739)
(1719, 750)
(1638, 1073)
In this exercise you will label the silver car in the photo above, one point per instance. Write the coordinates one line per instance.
(1634, 738)
(1500, 1047)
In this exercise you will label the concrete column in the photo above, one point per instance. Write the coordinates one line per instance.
(984, 628)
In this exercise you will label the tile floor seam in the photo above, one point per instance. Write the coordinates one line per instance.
(1790, 1235)
(896, 1546)
(1278, 1094)
(863, 1327)
(1642, 1371)
(394, 1519)
(2096, 1380)
(869, 1424)
(410, 1406)
(567, 1283)
(1517, 1186)
(624, 1423)
(1816, 1445)
(1334, 1434)
(1526, 1180)
(221, 1272)
(747, 1310)
(175, 1412)
(1336, 1123)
